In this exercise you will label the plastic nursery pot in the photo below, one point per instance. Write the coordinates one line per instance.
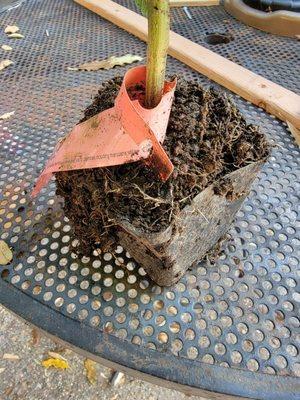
(167, 255)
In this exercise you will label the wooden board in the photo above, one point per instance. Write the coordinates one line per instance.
(194, 3)
(275, 99)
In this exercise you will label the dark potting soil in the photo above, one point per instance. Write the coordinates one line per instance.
(207, 138)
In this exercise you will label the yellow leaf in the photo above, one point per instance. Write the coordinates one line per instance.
(90, 367)
(6, 254)
(55, 363)
(11, 29)
(4, 64)
(15, 36)
(107, 64)
(6, 115)
(6, 47)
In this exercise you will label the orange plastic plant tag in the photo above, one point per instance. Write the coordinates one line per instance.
(124, 133)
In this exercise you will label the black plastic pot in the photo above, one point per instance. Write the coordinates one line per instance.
(274, 5)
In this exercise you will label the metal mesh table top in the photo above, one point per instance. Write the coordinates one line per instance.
(230, 327)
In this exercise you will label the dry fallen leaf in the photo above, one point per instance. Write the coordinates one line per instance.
(15, 36)
(2, 370)
(55, 363)
(6, 47)
(11, 29)
(91, 372)
(54, 354)
(7, 115)
(114, 397)
(4, 64)
(35, 337)
(8, 391)
(10, 357)
(6, 254)
(107, 64)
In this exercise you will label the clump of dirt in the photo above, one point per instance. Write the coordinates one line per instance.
(207, 138)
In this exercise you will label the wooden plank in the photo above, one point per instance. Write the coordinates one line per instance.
(275, 99)
(194, 3)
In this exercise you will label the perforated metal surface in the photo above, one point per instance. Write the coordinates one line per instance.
(240, 313)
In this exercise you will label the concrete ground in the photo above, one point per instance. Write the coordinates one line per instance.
(22, 377)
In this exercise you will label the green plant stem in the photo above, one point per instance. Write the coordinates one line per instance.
(158, 42)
